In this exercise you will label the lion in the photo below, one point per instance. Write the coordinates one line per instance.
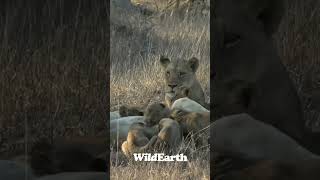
(238, 141)
(155, 112)
(244, 51)
(275, 170)
(242, 136)
(140, 139)
(169, 137)
(180, 74)
(194, 123)
(75, 154)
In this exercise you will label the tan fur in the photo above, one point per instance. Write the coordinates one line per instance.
(155, 112)
(140, 139)
(193, 123)
(68, 154)
(170, 135)
(275, 170)
(179, 75)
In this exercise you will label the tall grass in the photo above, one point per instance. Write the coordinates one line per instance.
(136, 45)
(299, 47)
(137, 41)
(53, 61)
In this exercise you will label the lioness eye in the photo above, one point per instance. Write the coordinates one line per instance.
(168, 73)
(231, 40)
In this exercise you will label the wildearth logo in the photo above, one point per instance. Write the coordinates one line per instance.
(159, 157)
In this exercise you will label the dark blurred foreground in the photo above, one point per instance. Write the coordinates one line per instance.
(53, 70)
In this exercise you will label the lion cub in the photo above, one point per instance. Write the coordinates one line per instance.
(139, 139)
(170, 135)
(155, 112)
(192, 123)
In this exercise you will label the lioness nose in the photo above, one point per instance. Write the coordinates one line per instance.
(172, 85)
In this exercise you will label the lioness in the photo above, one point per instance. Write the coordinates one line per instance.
(180, 74)
(244, 51)
(239, 140)
(242, 136)
(276, 170)
(75, 154)
(188, 105)
(140, 139)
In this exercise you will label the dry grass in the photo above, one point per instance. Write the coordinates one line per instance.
(138, 41)
(52, 70)
(136, 77)
(197, 166)
(195, 169)
(299, 48)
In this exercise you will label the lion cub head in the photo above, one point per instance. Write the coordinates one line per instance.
(180, 79)
(155, 112)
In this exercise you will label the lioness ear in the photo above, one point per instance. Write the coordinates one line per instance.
(164, 61)
(193, 63)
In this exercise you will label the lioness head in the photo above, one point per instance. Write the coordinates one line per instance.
(242, 32)
(155, 112)
(179, 74)
(244, 53)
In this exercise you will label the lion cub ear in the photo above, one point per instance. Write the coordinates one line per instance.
(186, 92)
(164, 61)
(193, 63)
(123, 111)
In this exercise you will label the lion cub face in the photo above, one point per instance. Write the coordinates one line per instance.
(179, 73)
(155, 112)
